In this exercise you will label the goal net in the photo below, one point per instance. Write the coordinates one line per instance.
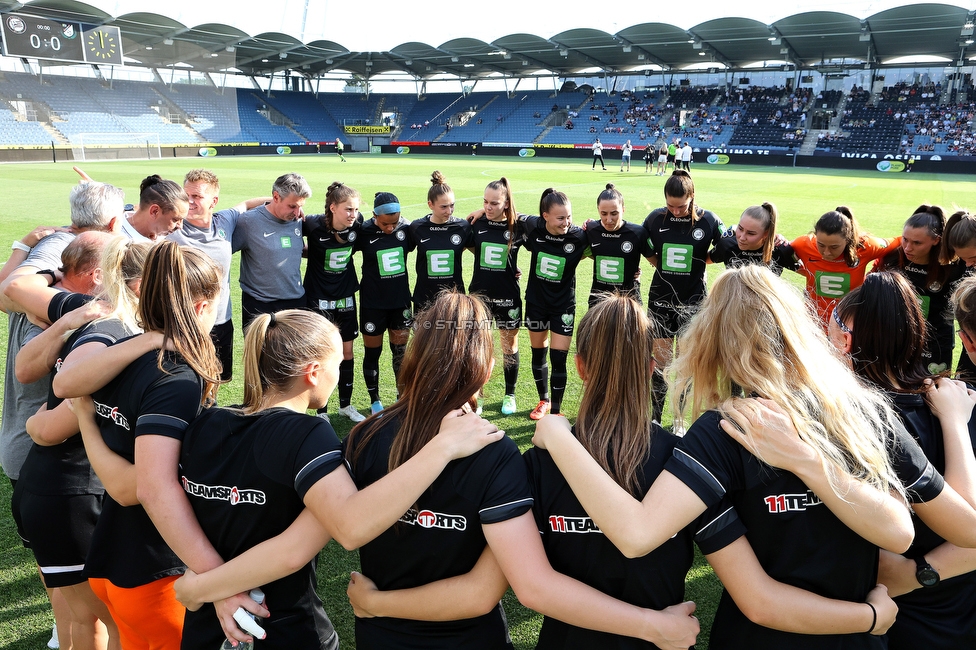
(114, 145)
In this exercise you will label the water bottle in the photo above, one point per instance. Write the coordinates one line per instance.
(247, 622)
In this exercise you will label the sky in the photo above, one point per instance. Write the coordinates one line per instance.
(381, 25)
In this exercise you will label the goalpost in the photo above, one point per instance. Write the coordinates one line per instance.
(115, 145)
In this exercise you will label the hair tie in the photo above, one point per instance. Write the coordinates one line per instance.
(273, 321)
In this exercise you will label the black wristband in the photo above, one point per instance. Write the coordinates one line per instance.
(874, 617)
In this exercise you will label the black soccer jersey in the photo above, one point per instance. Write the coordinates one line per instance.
(681, 248)
(385, 284)
(143, 400)
(727, 251)
(552, 272)
(496, 259)
(64, 469)
(576, 547)
(942, 617)
(934, 299)
(441, 538)
(330, 275)
(616, 256)
(246, 477)
(823, 555)
(439, 249)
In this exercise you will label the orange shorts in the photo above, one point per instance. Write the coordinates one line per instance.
(149, 617)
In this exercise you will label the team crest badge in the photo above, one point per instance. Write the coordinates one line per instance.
(698, 234)
(569, 248)
(626, 247)
(455, 239)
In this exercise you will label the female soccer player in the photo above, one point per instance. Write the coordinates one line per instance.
(280, 461)
(918, 260)
(959, 243)
(662, 158)
(330, 278)
(615, 428)
(132, 426)
(384, 292)
(616, 245)
(440, 239)
(557, 247)
(881, 326)
(805, 520)
(679, 236)
(835, 258)
(440, 536)
(496, 242)
(754, 242)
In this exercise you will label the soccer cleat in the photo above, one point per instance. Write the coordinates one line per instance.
(350, 412)
(481, 405)
(376, 407)
(54, 644)
(508, 405)
(541, 410)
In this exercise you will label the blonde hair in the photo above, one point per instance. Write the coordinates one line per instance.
(754, 329)
(122, 263)
(277, 348)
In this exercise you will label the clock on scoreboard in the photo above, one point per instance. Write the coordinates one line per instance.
(43, 38)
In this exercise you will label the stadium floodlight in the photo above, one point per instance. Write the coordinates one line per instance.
(167, 41)
(628, 48)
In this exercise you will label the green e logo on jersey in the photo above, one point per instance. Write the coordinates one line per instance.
(391, 262)
(440, 263)
(609, 270)
(493, 255)
(923, 302)
(286, 242)
(677, 257)
(550, 267)
(831, 285)
(337, 259)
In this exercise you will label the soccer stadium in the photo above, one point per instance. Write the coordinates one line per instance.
(803, 116)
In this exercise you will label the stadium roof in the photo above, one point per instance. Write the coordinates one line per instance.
(809, 40)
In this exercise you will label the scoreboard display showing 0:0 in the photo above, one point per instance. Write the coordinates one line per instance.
(43, 38)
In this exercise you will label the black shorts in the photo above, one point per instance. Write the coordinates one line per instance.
(251, 307)
(506, 312)
(342, 313)
(223, 340)
(373, 322)
(60, 529)
(16, 514)
(670, 158)
(669, 318)
(542, 319)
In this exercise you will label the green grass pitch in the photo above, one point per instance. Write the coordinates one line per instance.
(32, 194)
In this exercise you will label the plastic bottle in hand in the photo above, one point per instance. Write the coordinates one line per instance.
(247, 622)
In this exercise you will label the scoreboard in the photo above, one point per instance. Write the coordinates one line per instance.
(43, 38)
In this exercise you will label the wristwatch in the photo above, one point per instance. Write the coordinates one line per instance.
(18, 245)
(925, 574)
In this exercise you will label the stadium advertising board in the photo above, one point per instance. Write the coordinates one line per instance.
(356, 129)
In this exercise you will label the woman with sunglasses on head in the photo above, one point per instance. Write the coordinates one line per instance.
(330, 278)
(880, 327)
(679, 237)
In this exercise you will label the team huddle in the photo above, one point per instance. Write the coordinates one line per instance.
(821, 458)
